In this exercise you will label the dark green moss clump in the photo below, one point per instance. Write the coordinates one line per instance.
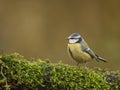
(20, 73)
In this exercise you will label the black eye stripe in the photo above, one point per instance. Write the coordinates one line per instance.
(77, 38)
(74, 38)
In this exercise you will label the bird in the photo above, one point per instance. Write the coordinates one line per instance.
(79, 50)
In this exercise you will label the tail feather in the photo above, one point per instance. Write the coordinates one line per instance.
(100, 58)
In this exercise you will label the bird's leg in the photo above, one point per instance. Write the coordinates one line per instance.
(85, 65)
(78, 64)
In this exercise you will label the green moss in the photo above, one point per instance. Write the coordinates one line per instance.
(20, 73)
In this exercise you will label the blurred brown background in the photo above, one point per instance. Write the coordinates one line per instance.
(39, 28)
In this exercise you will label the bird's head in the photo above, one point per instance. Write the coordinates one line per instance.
(75, 38)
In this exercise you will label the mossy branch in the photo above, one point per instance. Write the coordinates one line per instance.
(20, 73)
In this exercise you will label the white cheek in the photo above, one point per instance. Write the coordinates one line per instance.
(73, 40)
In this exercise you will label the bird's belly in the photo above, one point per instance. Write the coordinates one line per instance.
(79, 55)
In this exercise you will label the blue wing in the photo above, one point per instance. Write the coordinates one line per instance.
(89, 51)
(86, 49)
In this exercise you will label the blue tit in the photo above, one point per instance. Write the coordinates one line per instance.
(80, 51)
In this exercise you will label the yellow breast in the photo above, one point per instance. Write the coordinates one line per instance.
(77, 54)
